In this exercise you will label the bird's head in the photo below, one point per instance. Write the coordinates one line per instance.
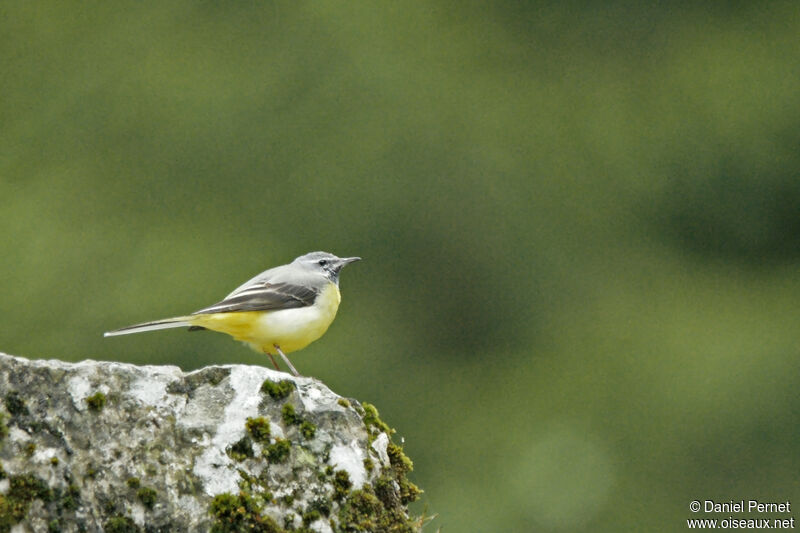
(325, 263)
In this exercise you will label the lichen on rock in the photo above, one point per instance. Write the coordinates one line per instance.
(95, 446)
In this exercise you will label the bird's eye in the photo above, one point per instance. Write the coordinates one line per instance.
(322, 262)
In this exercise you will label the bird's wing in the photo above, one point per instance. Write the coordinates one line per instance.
(264, 296)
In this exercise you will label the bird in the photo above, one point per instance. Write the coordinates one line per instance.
(281, 310)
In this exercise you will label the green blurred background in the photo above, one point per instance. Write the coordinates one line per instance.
(580, 225)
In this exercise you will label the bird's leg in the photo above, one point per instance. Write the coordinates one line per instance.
(273, 361)
(286, 360)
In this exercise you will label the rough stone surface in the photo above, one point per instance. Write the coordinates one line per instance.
(103, 446)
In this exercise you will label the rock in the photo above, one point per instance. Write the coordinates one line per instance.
(103, 446)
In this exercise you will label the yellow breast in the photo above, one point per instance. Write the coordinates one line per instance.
(290, 329)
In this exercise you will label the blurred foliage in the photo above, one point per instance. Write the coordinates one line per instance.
(580, 225)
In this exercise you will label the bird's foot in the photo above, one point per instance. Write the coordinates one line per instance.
(286, 360)
(273, 361)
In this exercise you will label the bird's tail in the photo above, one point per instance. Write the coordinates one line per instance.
(176, 322)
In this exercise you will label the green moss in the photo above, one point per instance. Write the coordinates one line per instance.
(3, 474)
(54, 526)
(7, 514)
(29, 449)
(15, 404)
(22, 490)
(249, 483)
(71, 498)
(120, 524)
(29, 487)
(54, 461)
(133, 482)
(344, 403)
(361, 511)
(291, 418)
(364, 511)
(289, 415)
(386, 491)
(380, 507)
(409, 492)
(322, 505)
(311, 516)
(278, 391)
(233, 514)
(147, 496)
(109, 506)
(96, 401)
(372, 420)
(278, 452)
(341, 484)
(241, 449)
(399, 460)
(258, 428)
(308, 429)
(3, 427)
(402, 465)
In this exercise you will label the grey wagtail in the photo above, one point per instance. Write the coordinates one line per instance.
(281, 310)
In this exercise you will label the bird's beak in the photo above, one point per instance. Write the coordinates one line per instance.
(346, 260)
